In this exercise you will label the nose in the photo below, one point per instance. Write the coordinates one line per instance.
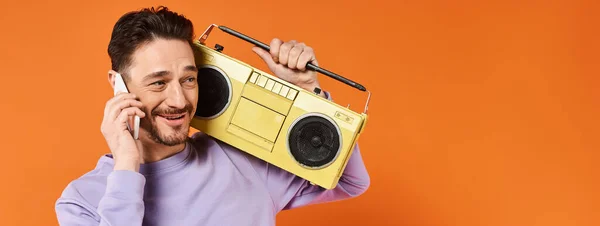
(175, 97)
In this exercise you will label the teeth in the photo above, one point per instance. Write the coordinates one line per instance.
(173, 118)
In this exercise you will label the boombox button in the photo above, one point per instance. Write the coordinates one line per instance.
(254, 77)
(276, 87)
(262, 81)
(292, 94)
(284, 91)
(269, 84)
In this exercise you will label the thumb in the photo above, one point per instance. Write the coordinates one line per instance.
(266, 56)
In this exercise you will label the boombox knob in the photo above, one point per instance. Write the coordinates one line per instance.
(317, 90)
(219, 48)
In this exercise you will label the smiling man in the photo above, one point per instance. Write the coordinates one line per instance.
(166, 177)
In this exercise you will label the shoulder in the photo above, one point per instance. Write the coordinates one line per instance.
(208, 147)
(205, 144)
(88, 189)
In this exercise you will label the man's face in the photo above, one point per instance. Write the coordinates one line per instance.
(163, 75)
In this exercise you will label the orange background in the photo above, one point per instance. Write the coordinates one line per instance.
(483, 112)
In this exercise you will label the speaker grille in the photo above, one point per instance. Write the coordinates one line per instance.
(314, 141)
(214, 92)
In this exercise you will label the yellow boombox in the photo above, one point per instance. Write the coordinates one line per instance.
(271, 119)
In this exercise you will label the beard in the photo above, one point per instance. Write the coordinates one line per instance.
(180, 136)
(180, 133)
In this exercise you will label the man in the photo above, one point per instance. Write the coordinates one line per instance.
(167, 177)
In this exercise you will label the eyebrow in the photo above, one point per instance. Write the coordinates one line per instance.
(191, 68)
(157, 74)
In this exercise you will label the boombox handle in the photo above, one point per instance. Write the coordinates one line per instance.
(360, 87)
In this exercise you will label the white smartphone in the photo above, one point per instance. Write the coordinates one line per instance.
(121, 87)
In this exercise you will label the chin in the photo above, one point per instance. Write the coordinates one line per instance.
(170, 136)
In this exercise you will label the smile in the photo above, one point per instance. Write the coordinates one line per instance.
(172, 119)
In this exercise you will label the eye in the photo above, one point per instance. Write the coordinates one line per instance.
(191, 79)
(158, 83)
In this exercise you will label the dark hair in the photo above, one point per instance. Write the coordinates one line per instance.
(136, 28)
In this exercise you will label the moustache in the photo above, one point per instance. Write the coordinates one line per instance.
(187, 109)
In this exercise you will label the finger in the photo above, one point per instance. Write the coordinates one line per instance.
(284, 51)
(120, 106)
(117, 98)
(274, 46)
(120, 96)
(266, 56)
(307, 56)
(295, 55)
(128, 112)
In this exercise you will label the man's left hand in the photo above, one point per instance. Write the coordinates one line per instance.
(288, 61)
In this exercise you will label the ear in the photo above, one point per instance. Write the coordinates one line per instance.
(111, 78)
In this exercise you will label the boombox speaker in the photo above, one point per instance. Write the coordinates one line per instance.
(271, 119)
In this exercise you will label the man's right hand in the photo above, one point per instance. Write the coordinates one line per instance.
(125, 150)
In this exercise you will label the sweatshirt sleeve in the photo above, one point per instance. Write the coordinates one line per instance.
(121, 203)
(289, 191)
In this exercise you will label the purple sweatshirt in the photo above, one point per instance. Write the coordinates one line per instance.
(208, 183)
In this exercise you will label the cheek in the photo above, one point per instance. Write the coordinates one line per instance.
(149, 104)
(192, 96)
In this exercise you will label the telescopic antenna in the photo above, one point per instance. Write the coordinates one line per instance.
(309, 65)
